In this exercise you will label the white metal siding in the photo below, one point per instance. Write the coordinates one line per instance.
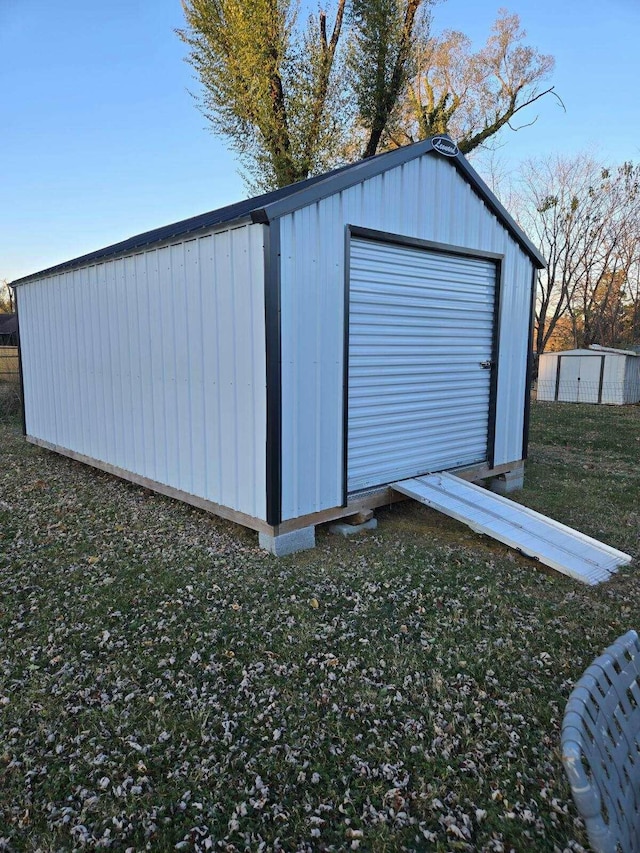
(547, 370)
(632, 380)
(420, 325)
(425, 198)
(155, 363)
(613, 380)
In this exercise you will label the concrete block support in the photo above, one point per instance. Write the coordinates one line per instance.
(512, 481)
(346, 529)
(288, 543)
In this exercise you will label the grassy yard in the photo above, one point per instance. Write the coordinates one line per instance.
(165, 685)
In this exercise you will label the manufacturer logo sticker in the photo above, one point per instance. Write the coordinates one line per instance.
(445, 146)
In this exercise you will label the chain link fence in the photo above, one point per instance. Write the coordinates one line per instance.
(10, 400)
(582, 404)
(623, 393)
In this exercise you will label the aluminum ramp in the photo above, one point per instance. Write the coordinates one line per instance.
(532, 534)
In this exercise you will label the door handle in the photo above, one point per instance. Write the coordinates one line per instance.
(486, 365)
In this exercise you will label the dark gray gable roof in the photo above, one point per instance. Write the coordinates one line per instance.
(265, 208)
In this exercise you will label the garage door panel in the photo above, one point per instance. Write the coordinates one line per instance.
(412, 325)
(397, 338)
(467, 280)
(438, 438)
(402, 407)
(399, 374)
(409, 428)
(401, 469)
(420, 324)
(467, 267)
(467, 289)
(396, 370)
(371, 312)
(409, 393)
(409, 297)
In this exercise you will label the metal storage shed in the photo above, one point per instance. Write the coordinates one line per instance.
(281, 361)
(594, 375)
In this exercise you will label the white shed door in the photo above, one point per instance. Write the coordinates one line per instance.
(420, 329)
(579, 378)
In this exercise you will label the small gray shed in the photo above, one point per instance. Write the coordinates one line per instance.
(594, 375)
(282, 361)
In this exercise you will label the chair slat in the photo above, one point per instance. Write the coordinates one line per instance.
(601, 747)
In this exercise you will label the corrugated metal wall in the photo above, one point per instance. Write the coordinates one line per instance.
(613, 379)
(155, 363)
(547, 372)
(632, 380)
(421, 326)
(425, 198)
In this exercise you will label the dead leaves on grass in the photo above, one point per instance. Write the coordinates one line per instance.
(173, 687)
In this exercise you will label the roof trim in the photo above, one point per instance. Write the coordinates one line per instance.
(265, 208)
(465, 167)
(181, 229)
(592, 349)
(342, 179)
(598, 348)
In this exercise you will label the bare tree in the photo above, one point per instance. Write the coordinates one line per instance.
(471, 96)
(630, 253)
(7, 302)
(584, 217)
(598, 305)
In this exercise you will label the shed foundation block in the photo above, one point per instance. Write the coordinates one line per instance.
(361, 517)
(288, 543)
(511, 481)
(346, 529)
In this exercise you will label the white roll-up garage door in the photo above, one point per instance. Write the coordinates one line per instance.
(420, 350)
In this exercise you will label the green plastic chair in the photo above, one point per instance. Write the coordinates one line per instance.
(601, 747)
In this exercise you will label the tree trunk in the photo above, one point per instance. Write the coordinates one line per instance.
(391, 93)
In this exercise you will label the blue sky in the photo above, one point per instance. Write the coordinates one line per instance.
(101, 138)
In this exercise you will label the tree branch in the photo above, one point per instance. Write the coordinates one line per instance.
(389, 96)
(468, 144)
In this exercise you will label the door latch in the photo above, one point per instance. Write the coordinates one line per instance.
(487, 365)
